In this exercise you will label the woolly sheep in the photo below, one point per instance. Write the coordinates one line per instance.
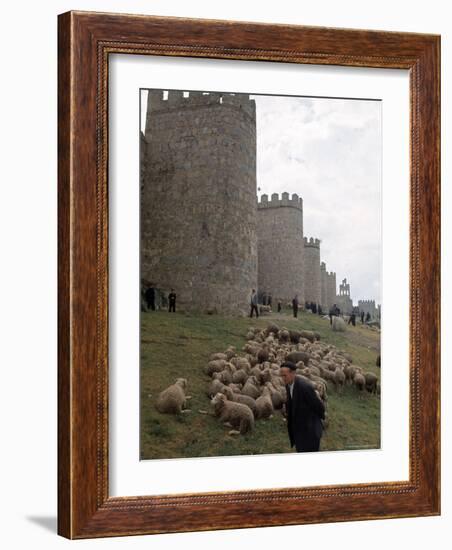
(296, 356)
(251, 388)
(338, 324)
(277, 397)
(339, 378)
(224, 376)
(172, 400)
(230, 353)
(359, 381)
(371, 382)
(264, 404)
(349, 372)
(241, 363)
(244, 400)
(272, 329)
(236, 388)
(283, 335)
(215, 366)
(308, 335)
(236, 414)
(216, 386)
(220, 356)
(262, 355)
(239, 376)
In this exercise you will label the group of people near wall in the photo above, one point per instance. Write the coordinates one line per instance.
(149, 296)
(153, 298)
(310, 306)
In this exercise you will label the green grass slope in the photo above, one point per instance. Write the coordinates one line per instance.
(179, 345)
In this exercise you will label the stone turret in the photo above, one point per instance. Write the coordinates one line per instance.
(198, 202)
(312, 276)
(323, 286)
(330, 289)
(280, 246)
(343, 299)
(368, 306)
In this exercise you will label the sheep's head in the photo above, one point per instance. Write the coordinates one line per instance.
(228, 393)
(182, 382)
(218, 400)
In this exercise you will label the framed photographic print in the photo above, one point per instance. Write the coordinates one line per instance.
(248, 275)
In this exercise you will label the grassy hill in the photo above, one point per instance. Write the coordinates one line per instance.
(179, 345)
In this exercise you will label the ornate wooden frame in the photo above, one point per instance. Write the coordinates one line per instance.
(84, 44)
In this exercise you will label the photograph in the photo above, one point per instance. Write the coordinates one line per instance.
(260, 273)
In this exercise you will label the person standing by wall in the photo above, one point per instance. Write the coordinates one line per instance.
(150, 298)
(295, 305)
(253, 303)
(172, 301)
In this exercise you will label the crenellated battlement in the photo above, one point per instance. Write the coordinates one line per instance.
(370, 303)
(275, 202)
(311, 243)
(164, 100)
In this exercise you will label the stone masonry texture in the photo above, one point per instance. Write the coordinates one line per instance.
(280, 247)
(198, 201)
(312, 274)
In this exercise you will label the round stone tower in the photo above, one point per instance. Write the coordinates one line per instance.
(323, 286)
(312, 280)
(198, 199)
(280, 246)
(330, 289)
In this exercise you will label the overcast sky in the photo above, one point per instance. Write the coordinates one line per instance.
(329, 152)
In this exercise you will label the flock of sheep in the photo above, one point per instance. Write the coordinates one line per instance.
(246, 387)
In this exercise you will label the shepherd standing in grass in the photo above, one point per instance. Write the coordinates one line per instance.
(305, 411)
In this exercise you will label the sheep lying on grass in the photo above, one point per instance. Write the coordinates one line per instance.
(172, 400)
(277, 397)
(244, 400)
(217, 365)
(251, 388)
(235, 414)
(264, 405)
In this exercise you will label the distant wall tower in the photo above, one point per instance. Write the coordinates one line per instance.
(368, 306)
(280, 246)
(323, 286)
(312, 282)
(343, 299)
(330, 289)
(198, 198)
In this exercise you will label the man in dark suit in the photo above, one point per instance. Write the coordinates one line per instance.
(295, 305)
(172, 301)
(305, 410)
(150, 298)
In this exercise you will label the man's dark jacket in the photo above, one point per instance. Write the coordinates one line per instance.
(305, 412)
